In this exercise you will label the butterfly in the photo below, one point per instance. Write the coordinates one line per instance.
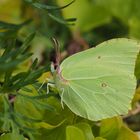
(99, 83)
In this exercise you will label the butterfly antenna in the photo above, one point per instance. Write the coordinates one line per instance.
(57, 51)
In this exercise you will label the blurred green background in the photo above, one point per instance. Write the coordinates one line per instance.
(97, 20)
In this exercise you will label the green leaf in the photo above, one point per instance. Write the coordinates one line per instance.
(9, 31)
(11, 136)
(48, 7)
(86, 130)
(54, 134)
(134, 23)
(110, 128)
(10, 65)
(46, 125)
(27, 42)
(27, 108)
(117, 8)
(138, 133)
(127, 134)
(99, 83)
(10, 26)
(87, 14)
(59, 115)
(137, 68)
(99, 138)
(74, 133)
(127, 11)
(61, 20)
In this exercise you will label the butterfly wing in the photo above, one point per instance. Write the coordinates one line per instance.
(100, 81)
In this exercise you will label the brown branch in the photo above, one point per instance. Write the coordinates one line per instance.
(133, 112)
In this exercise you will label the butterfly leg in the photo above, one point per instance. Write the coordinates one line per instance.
(42, 84)
(62, 97)
(49, 84)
